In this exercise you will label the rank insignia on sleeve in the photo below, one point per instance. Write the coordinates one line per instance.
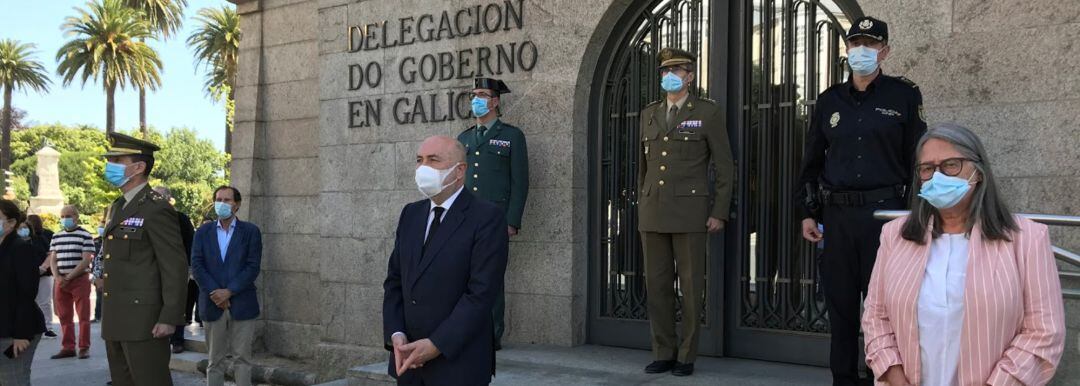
(835, 119)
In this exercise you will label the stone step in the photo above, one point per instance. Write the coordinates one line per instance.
(596, 365)
(195, 338)
(196, 362)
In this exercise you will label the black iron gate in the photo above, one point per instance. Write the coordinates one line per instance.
(766, 60)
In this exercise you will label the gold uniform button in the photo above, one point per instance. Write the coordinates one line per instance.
(474, 189)
(661, 182)
(477, 153)
(476, 164)
(665, 139)
(107, 256)
(110, 237)
(663, 154)
(106, 294)
(475, 176)
(685, 138)
(693, 191)
(136, 301)
(662, 167)
(106, 276)
(125, 237)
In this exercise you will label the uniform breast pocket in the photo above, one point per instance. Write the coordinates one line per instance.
(498, 157)
(691, 145)
(120, 242)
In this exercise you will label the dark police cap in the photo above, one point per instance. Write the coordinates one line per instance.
(495, 85)
(120, 144)
(674, 57)
(869, 27)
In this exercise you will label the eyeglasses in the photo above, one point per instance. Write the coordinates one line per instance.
(675, 69)
(950, 167)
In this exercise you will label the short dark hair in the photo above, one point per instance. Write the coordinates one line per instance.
(10, 210)
(148, 159)
(34, 221)
(235, 192)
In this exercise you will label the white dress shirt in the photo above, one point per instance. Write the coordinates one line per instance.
(446, 209)
(941, 309)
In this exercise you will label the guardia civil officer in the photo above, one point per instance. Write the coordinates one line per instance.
(145, 269)
(682, 136)
(858, 159)
(498, 167)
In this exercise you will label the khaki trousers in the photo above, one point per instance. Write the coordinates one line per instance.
(227, 336)
(665, 255)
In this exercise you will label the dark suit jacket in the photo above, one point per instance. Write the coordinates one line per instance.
(237, 273)
(446, 295)
(187, 233)
(20, 316)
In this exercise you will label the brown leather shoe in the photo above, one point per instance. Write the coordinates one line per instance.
(84, 353)
(64, 354)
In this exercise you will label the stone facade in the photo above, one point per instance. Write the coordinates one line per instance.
(327, 191)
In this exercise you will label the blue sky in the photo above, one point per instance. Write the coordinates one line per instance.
(180, 102)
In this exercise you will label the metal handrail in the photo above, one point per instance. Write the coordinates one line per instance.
(1061, 254)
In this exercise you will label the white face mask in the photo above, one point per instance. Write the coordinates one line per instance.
(430, 180)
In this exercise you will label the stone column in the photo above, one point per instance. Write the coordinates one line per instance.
(49, 199)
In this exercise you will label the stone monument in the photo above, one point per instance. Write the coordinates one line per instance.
(48, 198)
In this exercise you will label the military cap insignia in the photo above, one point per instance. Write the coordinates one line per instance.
(866, 24)
(835, 119)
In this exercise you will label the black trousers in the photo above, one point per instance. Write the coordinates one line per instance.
(189, 311)
(852, 236)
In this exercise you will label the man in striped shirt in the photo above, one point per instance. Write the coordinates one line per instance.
(72, 249)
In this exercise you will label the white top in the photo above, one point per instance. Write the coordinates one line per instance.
(941, 309)
(445, 205)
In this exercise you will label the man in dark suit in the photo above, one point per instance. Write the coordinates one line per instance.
(444, 274)
(225, 260)
(187, 232)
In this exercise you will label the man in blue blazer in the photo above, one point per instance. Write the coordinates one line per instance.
(446, 269)
(225, 259)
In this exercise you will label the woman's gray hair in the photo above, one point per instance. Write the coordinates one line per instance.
(987, 207)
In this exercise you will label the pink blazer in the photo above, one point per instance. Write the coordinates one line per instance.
(1014, 326)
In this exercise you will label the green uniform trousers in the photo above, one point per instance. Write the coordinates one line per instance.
(665, 255)
(139, 363)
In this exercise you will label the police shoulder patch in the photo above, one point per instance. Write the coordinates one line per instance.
(907, 81)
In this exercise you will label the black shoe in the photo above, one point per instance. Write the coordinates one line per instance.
(498, 346)
(683, 369)
(660, 367)
(177, 348)
(50, 334)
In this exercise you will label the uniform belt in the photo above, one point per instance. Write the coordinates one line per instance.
(861, 197)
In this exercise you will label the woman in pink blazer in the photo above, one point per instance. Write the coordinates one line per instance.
(963, 292)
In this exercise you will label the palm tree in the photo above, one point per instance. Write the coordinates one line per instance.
(108, 44)
(17, 69)
(165, 17)
(217, 45)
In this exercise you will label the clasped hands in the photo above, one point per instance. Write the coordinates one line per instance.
(413, 355)
(221, 297)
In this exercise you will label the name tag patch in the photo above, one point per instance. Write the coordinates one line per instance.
(499, 143)
(888, 112)
(136, 222)
(693, 123)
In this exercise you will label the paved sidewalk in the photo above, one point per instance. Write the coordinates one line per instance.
(79, 372)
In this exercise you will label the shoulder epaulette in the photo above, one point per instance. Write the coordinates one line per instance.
(907, 81)
(706, 100)
(654, 103)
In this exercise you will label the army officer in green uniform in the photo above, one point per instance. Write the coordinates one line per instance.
(681, 136)
(145, 276)
(498, 166)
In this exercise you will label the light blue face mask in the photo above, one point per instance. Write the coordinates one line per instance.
(480, 106)
(223, 210)
(114, 173)
(101, 231)
(944, 192)
(863, 60)
(24, 232)
(67, 223)
(671, 82)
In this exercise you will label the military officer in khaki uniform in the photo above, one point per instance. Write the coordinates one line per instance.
(681, 136)
(145, 274)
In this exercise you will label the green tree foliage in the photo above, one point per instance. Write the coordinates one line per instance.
(217, 46)
(191, 167)
(18, 69)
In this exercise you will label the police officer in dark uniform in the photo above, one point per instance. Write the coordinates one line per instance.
(498, 167)
(145, 266)
(682, 136)
(859, 158)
